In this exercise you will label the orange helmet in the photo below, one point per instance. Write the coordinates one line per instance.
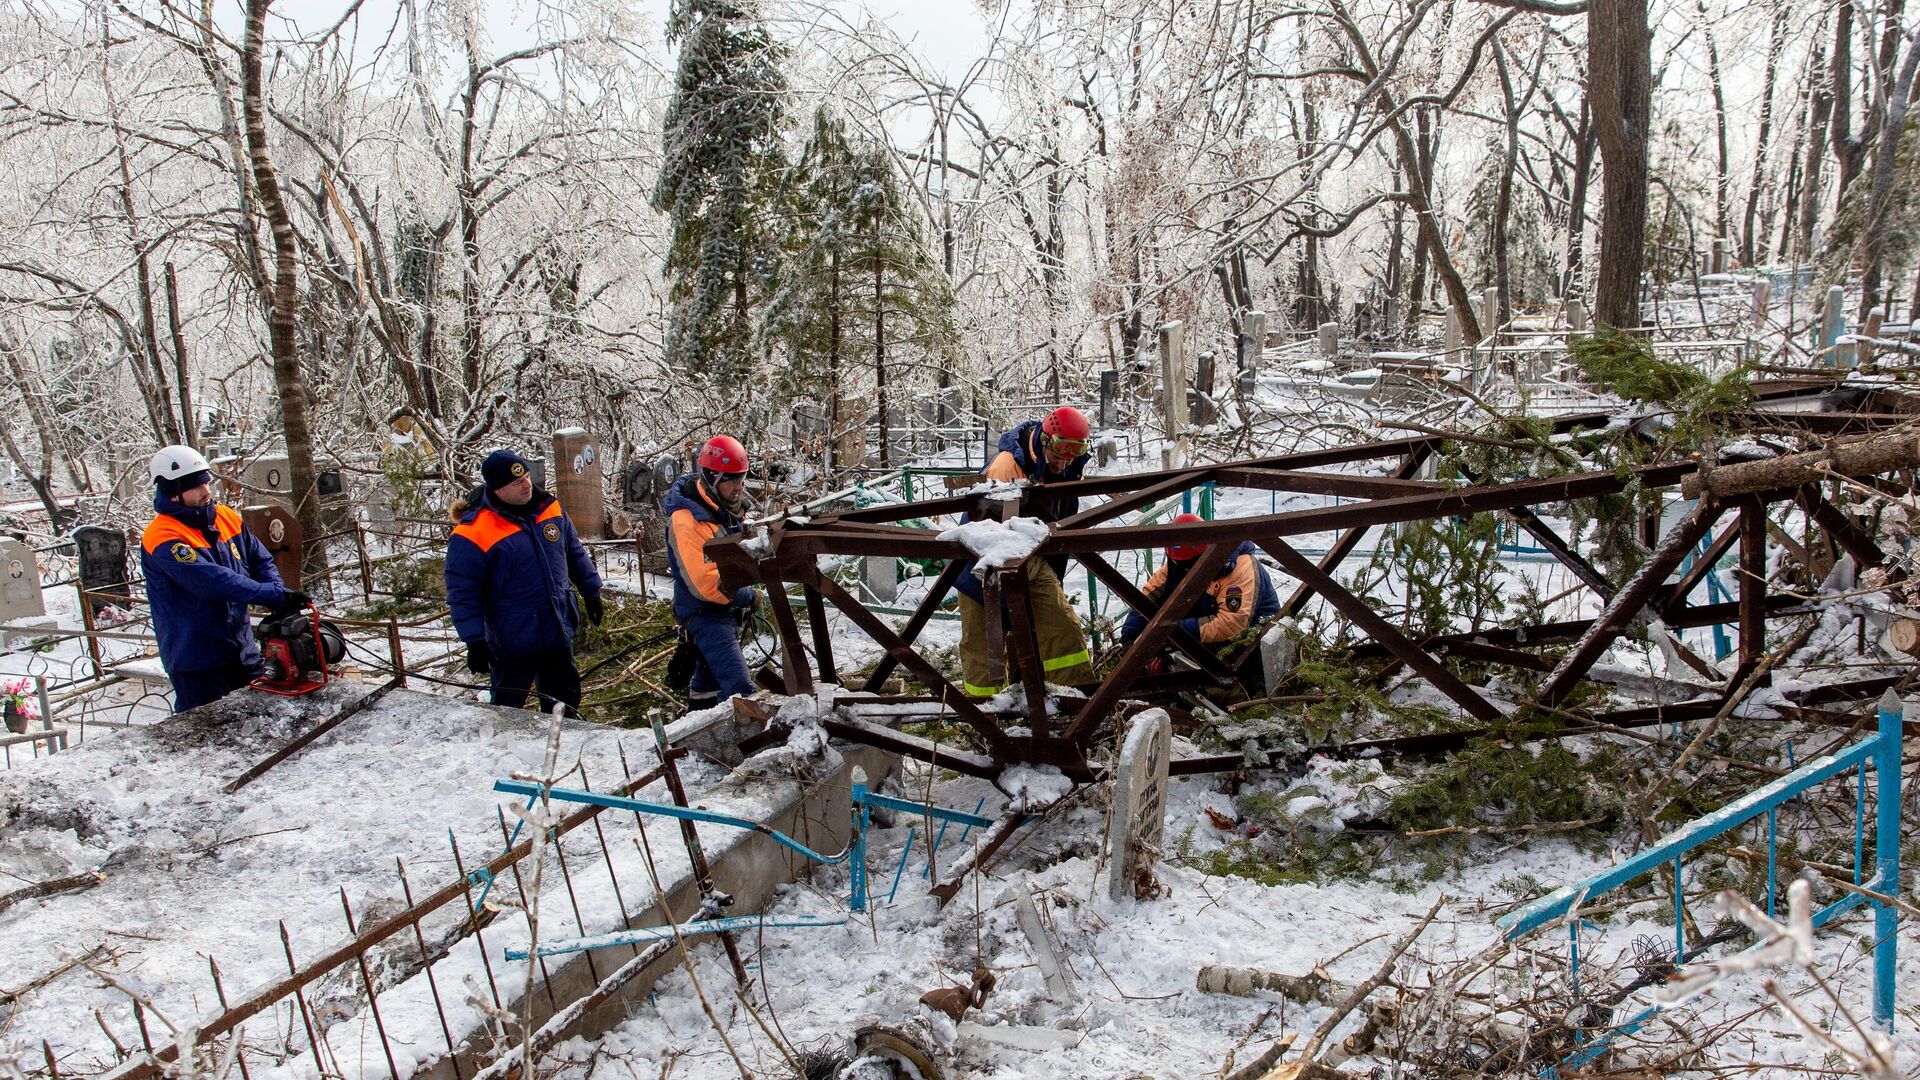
(1183, 552)
(723, 454)
(1066, 430)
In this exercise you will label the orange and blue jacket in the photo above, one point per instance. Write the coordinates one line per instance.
(694, 517)
(1240, 595)
(511, 572)
(1021, 458)
(203, 568)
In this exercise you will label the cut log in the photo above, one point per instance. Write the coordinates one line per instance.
(1305, 989)
(1865, 458)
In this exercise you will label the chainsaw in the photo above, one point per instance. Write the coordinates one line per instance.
(297, 649)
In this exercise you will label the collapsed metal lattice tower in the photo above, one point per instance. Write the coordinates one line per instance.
(1818, 410)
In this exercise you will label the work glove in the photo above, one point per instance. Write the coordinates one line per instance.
(596, 610)
(479, 657)
(1159, 665)
(295, 600)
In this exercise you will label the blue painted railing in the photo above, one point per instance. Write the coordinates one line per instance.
(1880, 751)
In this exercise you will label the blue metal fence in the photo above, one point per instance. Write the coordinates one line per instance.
(1880, 752)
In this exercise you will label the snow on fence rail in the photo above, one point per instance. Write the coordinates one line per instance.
(1881, 751)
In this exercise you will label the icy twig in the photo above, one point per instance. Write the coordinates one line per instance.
(1359, 994)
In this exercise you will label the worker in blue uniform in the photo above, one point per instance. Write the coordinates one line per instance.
(203, 568)
(701, 505)
(513, 564)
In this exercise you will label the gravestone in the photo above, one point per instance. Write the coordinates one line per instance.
(1862, 351)
(882, 576)
(1456, 339)
(279, 532)
(19, 582)
(1139, 820)
(1329, 339)
(267, 479)
(1253, 341)
(1762, 300)
(1279, 651)
(1109, 391)
(577, 483)
(1576, 316)
(1833, 323)
(1489, 312)
(1201, 411)
(1173, 378)
(102, 553)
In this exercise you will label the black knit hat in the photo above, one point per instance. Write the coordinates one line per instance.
(501, 468)
(172, 486)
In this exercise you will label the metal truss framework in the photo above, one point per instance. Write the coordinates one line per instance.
(1816, 410)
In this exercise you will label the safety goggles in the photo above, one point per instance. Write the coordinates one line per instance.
(1066, 449)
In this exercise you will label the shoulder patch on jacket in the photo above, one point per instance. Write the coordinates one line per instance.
(551, 531)
(1233, 598)
(183, 553)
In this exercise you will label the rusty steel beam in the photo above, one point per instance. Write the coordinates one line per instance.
(1753, 592)
(936, 594)
(822, 635)
(1856, 541)
(1361, 614)
(1339, 485)
(794, 673)
(1134, 659)
(885, 738)
(930, 676)
(1343, 546)
(1026, 648)
(1671, 598)
(1130, 594)
(1127, 503)
(1627, 604)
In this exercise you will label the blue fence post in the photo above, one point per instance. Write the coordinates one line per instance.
(1886, 856)
(857, 862)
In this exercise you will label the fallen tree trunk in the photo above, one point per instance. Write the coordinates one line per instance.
(1864, 458)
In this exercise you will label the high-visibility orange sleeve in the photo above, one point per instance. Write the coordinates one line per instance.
(689, 538)
(1005, 467)
(1233, 596)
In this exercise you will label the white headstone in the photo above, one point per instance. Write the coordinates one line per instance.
(1173, 378)
(1762, 300)
(19, 583)
(1046, 953)
(1279, 650)
(882, 576)
(1876, 320)
(1833, 323)
(1456, 340)
(1577, 316)
(1489, 311)
(1254, 323)
(1329, 339)
(1139, 820)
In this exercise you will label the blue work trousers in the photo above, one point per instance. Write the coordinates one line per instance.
(194, 688)
(721, 669)
(552, 672)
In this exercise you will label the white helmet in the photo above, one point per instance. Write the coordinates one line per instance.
(174, 462)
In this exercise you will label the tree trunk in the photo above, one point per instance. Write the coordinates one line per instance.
(41, 479)
(1880, 197)
(1721, 217)
(1776, 42)
(835, 421)
(1848, 151)
(190, 434)
(880, 344)
(1619, 45)
(287, 377)
(1816, 148)
(1574, 273)
(467, 202)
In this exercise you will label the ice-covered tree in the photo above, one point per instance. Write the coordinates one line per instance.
(858, 280)
(720, 167)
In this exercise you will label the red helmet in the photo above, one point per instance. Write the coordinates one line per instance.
(1064, 433)
(1183, 552)
(1067, 422)
(724, 454)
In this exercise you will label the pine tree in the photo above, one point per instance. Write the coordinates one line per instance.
(858, 283)
(721, 165)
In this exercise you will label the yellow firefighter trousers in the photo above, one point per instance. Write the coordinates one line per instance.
(1063, 649)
